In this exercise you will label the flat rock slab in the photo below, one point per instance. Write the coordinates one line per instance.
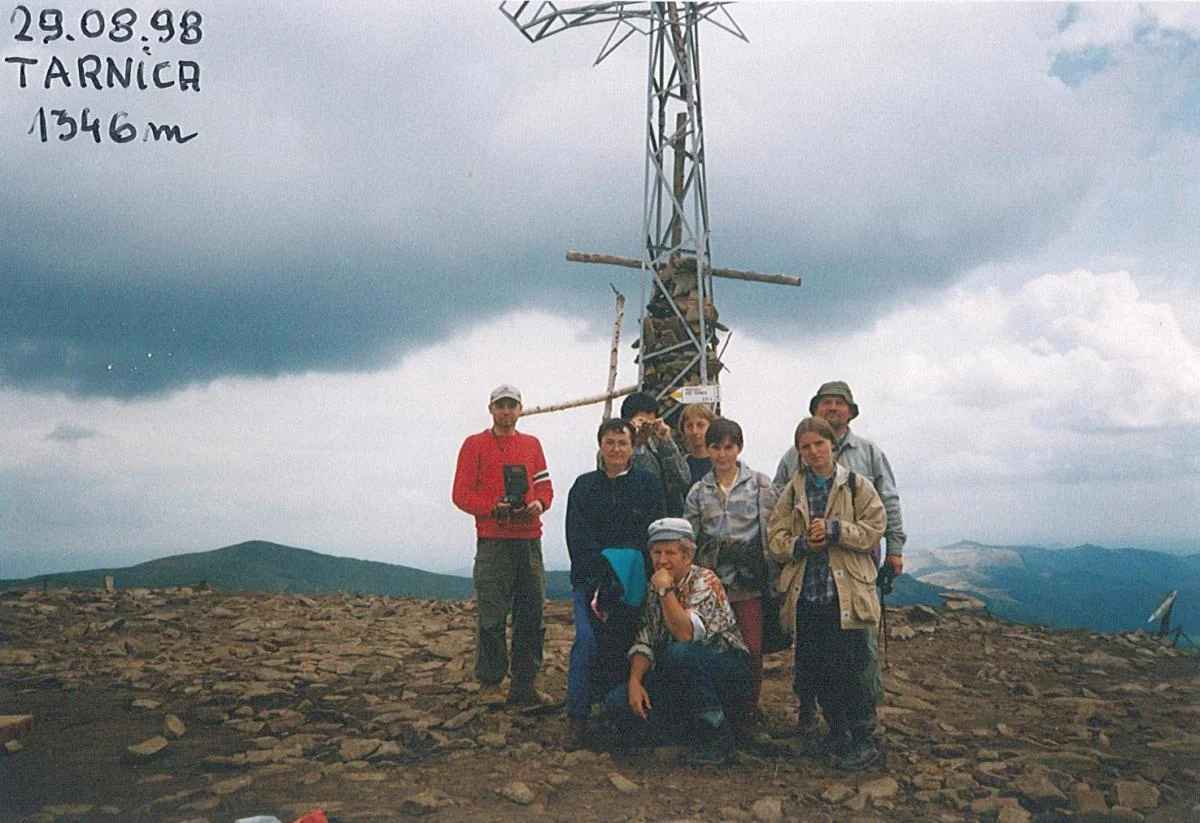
(146, 750)
(879, 789)
(836, 793)
(13, 726)
(173, 727)
(427, 802)
(768, 810)
(358, 749)
(462, 718)
(623, 784)
(1136, 794)
(17, 657)
(518, 793)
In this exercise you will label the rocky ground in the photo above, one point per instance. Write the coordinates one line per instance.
(180, 705)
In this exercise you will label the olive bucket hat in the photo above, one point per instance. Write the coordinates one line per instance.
(837, 388)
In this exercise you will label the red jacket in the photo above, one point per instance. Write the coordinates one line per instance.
(479, 481)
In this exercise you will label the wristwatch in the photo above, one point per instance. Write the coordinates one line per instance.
(663, 592)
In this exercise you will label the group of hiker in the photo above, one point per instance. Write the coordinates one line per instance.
(686, 566)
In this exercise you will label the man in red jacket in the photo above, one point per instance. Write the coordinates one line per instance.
(503, 481)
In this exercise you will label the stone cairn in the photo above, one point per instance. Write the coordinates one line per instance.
(663, 329)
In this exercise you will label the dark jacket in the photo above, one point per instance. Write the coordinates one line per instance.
(605, 513)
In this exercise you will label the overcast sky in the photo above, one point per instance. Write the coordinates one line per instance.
(284, 328)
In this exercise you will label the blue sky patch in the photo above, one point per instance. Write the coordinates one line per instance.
(1075, 67)
(1069, 17)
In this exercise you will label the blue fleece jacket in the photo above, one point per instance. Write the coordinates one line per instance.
(604, 512)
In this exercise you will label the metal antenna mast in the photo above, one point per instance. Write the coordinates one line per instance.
(678, 344)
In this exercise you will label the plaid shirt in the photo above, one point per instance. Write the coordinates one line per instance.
(818, 587)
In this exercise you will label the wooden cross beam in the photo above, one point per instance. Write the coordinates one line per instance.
(728, 274)
(633, 263)
(670, 344)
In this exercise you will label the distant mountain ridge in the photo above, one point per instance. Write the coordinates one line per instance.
(1084, 586)
(267, 567)
(260, 566)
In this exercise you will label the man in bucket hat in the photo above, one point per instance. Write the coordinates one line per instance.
(835, 402)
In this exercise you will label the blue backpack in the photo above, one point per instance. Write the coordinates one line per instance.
(617, 583)
(619, 588)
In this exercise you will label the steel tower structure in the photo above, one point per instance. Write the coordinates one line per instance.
(678, 343)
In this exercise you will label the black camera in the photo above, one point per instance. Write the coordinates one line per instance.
(516, 486)
(885, 578)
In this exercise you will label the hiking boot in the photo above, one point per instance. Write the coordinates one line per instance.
(750, 733)
(715, 747)
(576, 734)
(529, 697)
(490, 695)
(808, 725)
(834, 745)
(807, 722)
(862, 753)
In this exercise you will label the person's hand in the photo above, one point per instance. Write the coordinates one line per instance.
(532, 509)
(639, 700)
(660, 429)
(896, 562)
(661, 579)
(816, 535)
(714, 583)
(643, 430)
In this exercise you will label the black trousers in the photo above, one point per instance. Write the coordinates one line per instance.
(834, 665)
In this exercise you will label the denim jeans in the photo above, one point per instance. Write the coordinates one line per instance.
(583, 654)
(688, 683)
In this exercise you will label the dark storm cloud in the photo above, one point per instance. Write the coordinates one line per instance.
(142, 337)
(363, 185)
(368, 182)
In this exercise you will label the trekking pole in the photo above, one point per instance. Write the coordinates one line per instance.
(883, 629)
(884, 581)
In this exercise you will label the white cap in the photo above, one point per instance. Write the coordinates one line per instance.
(505, 392)
(670, 528)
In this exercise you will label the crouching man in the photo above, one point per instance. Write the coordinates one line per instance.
(689, 666)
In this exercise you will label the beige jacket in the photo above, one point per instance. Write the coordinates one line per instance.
(863, 522)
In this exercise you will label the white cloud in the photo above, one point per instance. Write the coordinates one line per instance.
(1025, 414)
(1008, 415)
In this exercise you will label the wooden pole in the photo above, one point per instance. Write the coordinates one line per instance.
(585, 401)
(678, 145)
(728, 274)
(612, 354)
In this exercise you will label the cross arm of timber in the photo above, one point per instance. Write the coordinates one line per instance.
(583, 401)
(729, 274)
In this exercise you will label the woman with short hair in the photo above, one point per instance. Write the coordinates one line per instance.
(729, 509)
(823, 530)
